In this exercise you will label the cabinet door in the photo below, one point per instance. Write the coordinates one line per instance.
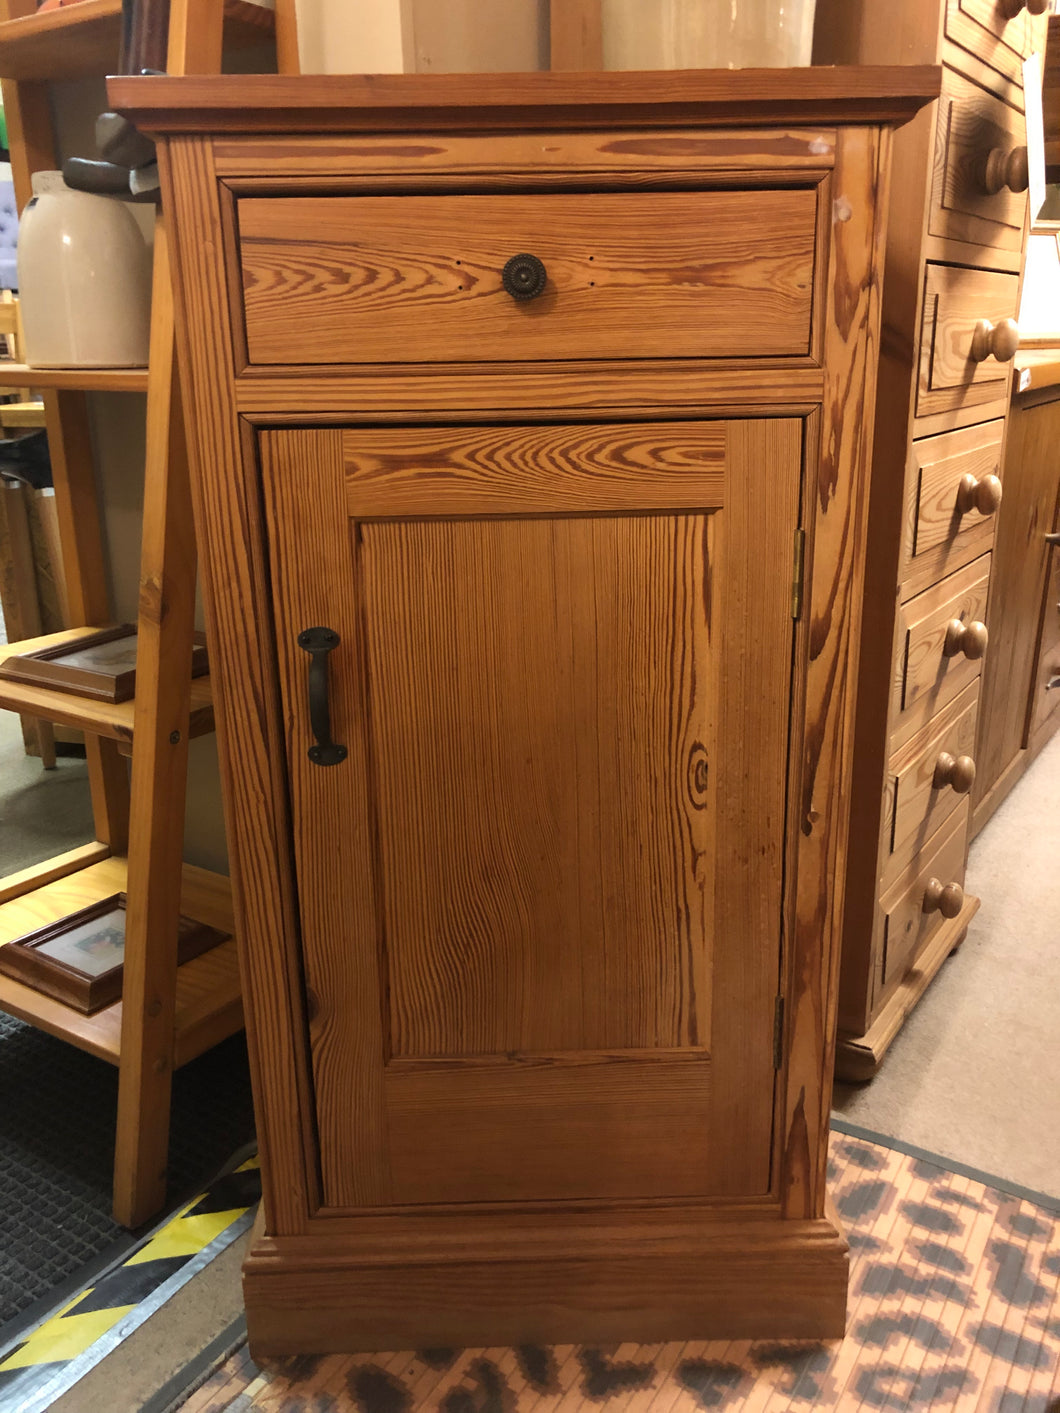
(541, 895)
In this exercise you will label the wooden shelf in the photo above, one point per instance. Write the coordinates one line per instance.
(208, 1005)
(22, 414)
(111, 719)
(84, 38)
(19, 375)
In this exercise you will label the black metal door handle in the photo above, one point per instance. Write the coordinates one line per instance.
(318, 642)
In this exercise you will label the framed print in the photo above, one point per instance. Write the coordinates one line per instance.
(79, 960)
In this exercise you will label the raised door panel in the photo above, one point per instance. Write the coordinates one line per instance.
(541, 895)
(1046, 695)
(406, 279)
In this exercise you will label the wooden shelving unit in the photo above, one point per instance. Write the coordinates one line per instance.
(114, 720)
(208, 1005)
(18, 375)
(83, 39)
(168, 1014)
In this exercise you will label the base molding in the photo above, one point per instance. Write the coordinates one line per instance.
(737, 1280)
(858, 1057)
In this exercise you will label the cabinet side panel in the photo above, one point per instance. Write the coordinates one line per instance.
(229, 534)
(836, 517)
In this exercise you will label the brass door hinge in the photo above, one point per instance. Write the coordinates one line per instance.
(778, 1032)
(796, 578)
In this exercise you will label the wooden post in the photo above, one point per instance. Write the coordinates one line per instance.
(576, 40)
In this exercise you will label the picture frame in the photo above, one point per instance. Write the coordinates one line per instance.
(101, 664)
(79, 960)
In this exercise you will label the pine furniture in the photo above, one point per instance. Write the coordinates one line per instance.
(954, 259)
(533, 420)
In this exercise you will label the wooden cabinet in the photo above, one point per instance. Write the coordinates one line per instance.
(954, 261)
(531, 448)
(1018, 700)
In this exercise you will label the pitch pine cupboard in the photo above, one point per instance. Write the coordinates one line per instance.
(532, 420)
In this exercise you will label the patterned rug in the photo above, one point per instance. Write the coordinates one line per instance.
(954, 1305)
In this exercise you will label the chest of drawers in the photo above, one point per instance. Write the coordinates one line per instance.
(531, 433)
(954, 259)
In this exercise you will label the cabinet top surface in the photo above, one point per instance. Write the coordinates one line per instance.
(265, 103)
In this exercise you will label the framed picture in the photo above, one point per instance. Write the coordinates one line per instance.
(101, 664)
(79, 959)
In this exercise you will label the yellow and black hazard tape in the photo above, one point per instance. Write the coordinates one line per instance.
(59, 1351)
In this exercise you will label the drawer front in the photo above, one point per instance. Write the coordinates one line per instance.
(979, 183)
(989, 29)
(958, 304)
(379, 279)
(953, 490)
(926, 782)
(939, 648)
(908, 925)
(1047, 695)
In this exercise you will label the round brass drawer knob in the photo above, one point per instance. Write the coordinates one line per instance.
(1007, 169)
(1000, 340)
(967, 638)
(944, 898)
(958, 772)
(982, 493)
(524, 277)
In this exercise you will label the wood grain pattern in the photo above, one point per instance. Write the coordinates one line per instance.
(954, 301)
(981, 27)
(504, 471)
(410, 102)
(226, 503)
(972, 123)
(1021, 564)
(913, 806)
(1046, 695)
(620, 156)
(925, 678)
(937, 537)
(303, 478)
(406, 279)
(59, 866)
(575, 34)
(548, 391)
(907, 928)
(836, 517)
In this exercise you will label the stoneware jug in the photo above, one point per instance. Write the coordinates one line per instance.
(84, 277)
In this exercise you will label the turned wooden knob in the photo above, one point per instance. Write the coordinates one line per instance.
(944, 898)
(1000, 340)
(967, 638)
(958, 772)
(1011, 8)
(982, 493)
(1011, 169)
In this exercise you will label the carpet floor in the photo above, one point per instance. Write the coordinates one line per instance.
(954, 1305)
(973, 1073)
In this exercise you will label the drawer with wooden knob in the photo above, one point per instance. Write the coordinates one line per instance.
(926, 781)
(981, 171)
(927, 892)
(539, 276)
(968, 338)
(952, 494)
(940, 643)
(1002, 32)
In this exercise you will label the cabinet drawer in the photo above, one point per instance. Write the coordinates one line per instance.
(979, 182)
(1046, 696)
(380, 279)
(953, 490)
(962, 337)
(926, 782)
(913, 909)
(940, 643)
(990, 30)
